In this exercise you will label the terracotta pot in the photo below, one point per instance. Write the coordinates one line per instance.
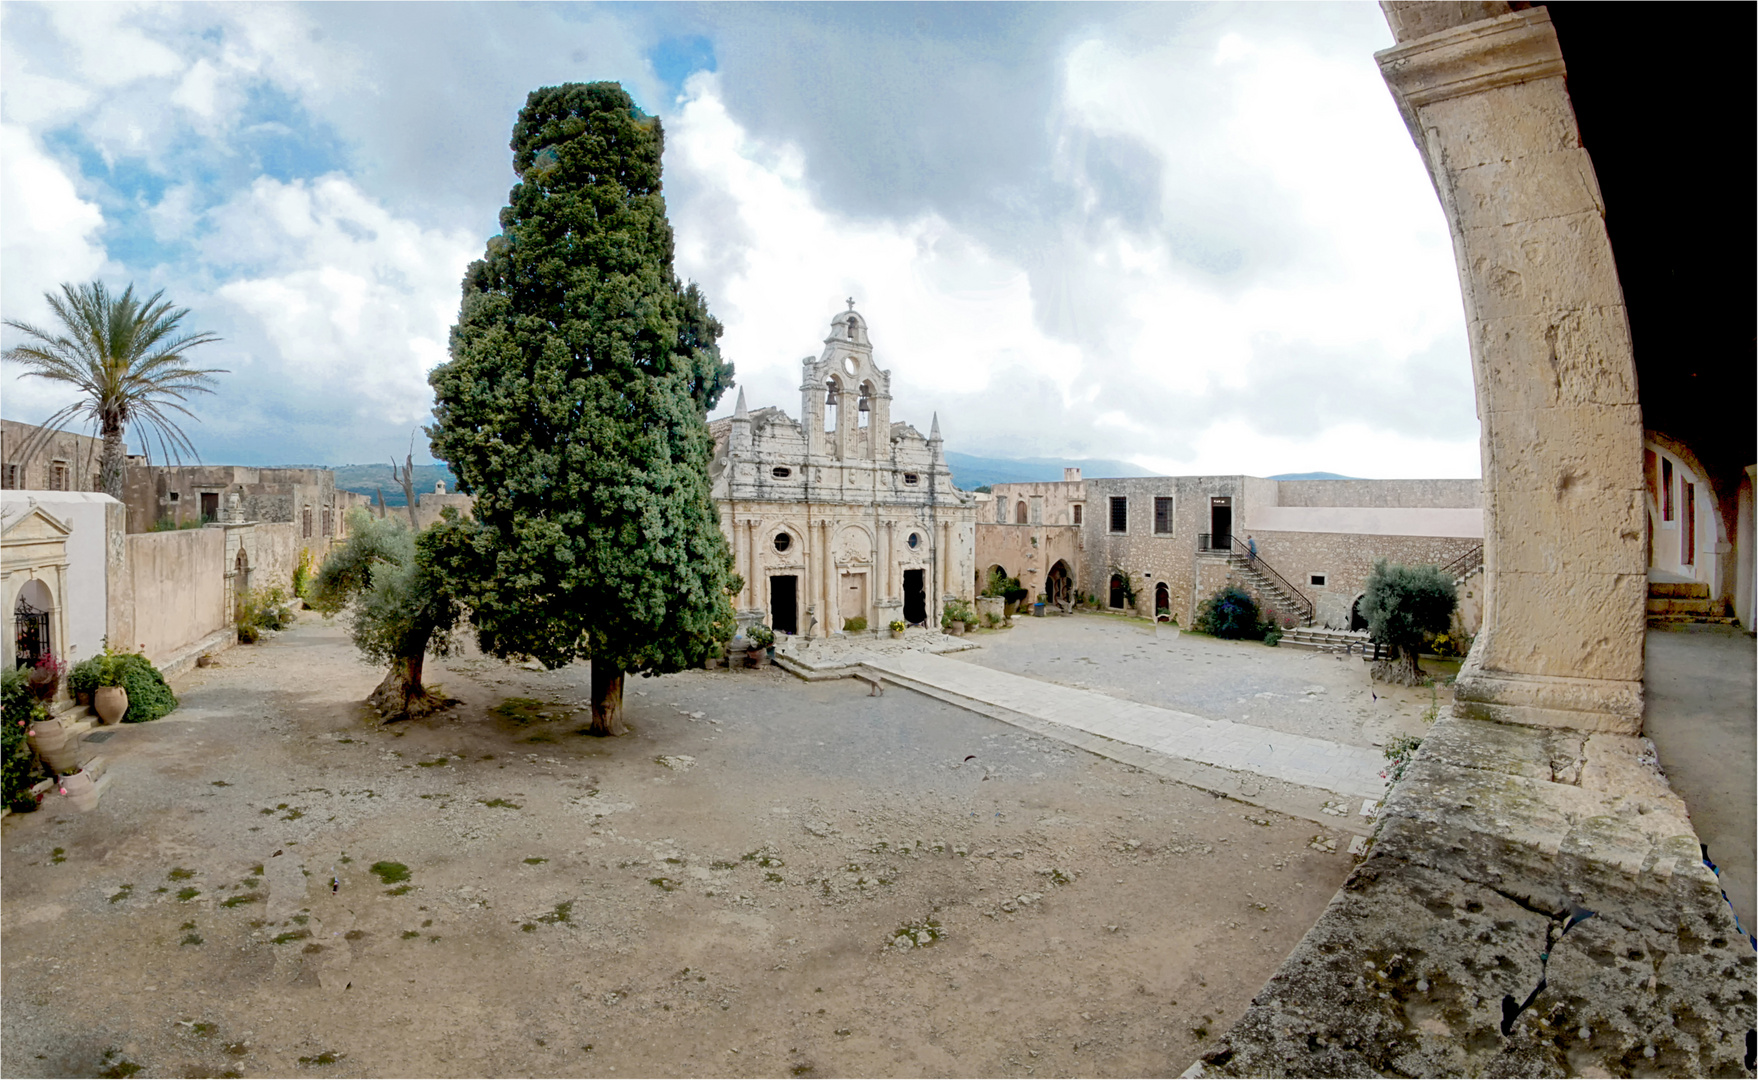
(58, 750)
(897, 633)
(80, 790)
(956, 629)
(110, 703)
(756, 657)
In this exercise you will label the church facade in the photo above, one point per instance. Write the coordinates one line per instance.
(842, 514)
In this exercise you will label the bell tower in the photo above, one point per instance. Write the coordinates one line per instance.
(845, 399)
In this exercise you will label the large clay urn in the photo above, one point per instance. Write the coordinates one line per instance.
(110, 703)
(81, 790)
(52, 743)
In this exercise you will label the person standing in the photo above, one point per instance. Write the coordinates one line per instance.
(1251, 546)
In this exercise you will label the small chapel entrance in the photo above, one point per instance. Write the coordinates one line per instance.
(915, 596)
(784, 604)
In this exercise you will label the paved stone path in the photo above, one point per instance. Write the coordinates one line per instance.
(1320, 764)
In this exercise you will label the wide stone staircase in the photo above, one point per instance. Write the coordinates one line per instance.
(1674, 602)
(1347, 642)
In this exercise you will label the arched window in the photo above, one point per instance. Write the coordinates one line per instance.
(31, 621)
(1019, 513)
(864, 411)
(832, 390)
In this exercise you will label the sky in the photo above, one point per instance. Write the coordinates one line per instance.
(1193, 237)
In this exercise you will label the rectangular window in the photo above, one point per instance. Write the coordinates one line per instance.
(1077, 513)
(58, 476)
(327, 529)
(305, 522)
(11, 477)
(1162, 516)
(1666, 489)
(1119, 513)
(1316, 579)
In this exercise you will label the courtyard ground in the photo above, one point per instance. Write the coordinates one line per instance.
(1298, 691)
(765, 877)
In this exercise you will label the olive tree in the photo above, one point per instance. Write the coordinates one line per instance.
(1403, 605)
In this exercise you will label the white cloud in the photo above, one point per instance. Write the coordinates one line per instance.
(51, 233)
(354, 302)
(944, 310)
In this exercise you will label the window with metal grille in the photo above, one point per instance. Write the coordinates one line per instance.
(1077, 513)
(58, 476)
(10, 477)
(327, 521)
(305, 523)
(1162, 515)
(1119, 513)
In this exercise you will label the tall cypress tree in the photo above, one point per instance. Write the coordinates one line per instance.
(574, 409)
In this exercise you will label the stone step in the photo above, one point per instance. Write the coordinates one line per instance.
(1688, 608)
(1678, 590)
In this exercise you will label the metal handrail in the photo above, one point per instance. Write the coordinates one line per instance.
(1242, 552)
(1211, 542)
(1464, 565)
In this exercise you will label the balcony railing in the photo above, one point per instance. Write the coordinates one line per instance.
(1214, 543)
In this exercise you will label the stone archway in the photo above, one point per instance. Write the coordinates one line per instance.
(33, 614)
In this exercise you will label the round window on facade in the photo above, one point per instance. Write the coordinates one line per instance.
(915, 538)
(783, 541)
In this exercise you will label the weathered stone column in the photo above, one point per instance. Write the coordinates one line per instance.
(1565, 570)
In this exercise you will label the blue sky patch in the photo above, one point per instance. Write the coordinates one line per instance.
(677, 58)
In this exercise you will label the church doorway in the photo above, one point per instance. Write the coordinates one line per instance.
(915, 597)
(1162, 601)
(1117, 596)
(784, 604)
(854, 597)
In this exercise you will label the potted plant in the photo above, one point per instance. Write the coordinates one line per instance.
(44, 677)
(758, 639)
(955, 616)
(897, 628)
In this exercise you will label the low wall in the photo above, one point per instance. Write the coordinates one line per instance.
(179, 585)
(277, 554)
(1367, 520)
(1514, 864)
(1387, 493)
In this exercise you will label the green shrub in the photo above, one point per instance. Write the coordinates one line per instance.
(957, 611)
(991, 620)
(856, 625)
(18, 766)
(262, 609)
(148, 696)
(1230, 613)
(1273, 635)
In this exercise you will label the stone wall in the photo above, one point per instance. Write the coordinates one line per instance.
(1345, 561)
(1429, 494)
(179, 590)
(1028, 552)
(66, 462)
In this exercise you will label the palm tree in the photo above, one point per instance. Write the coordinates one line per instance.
(126, 356)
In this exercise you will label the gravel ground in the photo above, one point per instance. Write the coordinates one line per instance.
(765, 877)
(1284, 689)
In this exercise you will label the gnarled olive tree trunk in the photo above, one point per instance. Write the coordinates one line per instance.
(607, 700)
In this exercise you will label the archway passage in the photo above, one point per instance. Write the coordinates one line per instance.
(1162, 601)
(1059, 585)
(1357, 621)
(994, 579)
(1117, 590)
(32, 639)
(915, 596)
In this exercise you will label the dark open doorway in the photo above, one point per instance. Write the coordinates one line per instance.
(915, 596)
(784, 606)
(1117, 596)
(210, 506)
(1162, 601)
(1221, 523)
